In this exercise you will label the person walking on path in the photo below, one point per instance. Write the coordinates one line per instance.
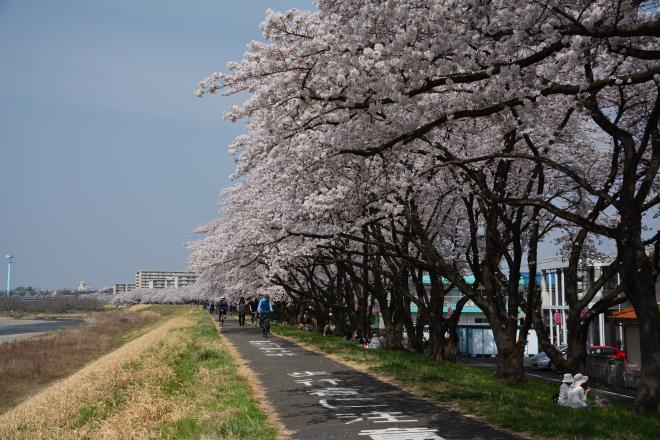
(253, 310)
(242, 308)
(265, 308)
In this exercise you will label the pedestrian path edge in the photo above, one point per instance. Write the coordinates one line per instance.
(400, 387)
(319, 398)
(258, 390)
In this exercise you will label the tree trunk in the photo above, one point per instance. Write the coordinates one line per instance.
(577, 332)
(638, 282)
(393, 330)
(421, 322)
(443, 343)
(413, 329)
(443, 338)
(509, 358)
(436, 349)
(451, 345)
(393, 335)
(363, 318)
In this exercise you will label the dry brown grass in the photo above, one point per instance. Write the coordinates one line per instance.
(177, 381)
(27, 365)
(101, 386)
(138, 307)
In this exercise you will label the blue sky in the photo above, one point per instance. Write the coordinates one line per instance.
(108, 161)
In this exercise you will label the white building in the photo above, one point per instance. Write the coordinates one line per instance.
(122, 287)
(555, 308)
(159, 280)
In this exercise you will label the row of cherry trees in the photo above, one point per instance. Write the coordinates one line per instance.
(387, 140)
(168, 295)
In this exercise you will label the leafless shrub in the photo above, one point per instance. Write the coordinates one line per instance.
(57, 304)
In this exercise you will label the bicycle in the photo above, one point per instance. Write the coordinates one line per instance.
(265, 324)
(221, 317)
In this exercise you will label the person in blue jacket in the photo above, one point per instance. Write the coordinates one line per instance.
(265, 308)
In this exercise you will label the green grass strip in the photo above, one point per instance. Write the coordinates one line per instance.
(222, 407)
(525, 407)
(202, 395)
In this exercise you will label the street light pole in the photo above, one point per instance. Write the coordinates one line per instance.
(9, 261)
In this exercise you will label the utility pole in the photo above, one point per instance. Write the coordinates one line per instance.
(9, 261)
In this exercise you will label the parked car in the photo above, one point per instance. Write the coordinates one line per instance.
(542, 360)
(609, 352)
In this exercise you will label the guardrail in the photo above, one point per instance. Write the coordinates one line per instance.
(612, 372)
(631, 375)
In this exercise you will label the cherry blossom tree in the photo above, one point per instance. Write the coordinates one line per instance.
(492, 91)
(168, 295)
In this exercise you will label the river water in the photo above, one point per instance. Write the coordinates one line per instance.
(20, 328)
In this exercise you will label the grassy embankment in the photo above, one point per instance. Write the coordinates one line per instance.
(177, 381)
(525, 407)
(27, 365)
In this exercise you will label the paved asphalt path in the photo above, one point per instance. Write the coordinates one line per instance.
(17, 327)
(320, 399)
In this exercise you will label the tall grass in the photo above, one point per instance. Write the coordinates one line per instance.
(27, 364)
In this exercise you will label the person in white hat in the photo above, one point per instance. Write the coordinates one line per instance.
(563, 389)
(577, 396)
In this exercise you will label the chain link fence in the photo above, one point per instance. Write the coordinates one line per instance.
(613, 372)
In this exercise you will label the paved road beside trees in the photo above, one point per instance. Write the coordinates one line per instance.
(320, 399)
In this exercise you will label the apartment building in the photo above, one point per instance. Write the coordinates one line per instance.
(122, 287)
(149, 279)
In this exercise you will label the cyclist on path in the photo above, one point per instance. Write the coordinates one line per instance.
(223, 305)
(265, 308)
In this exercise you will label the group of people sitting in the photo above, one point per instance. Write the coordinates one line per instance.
(573, 394)
(371, 340)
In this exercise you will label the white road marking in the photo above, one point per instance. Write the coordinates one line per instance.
(402, 434)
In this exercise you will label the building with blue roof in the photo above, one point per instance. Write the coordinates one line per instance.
(475, 336)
